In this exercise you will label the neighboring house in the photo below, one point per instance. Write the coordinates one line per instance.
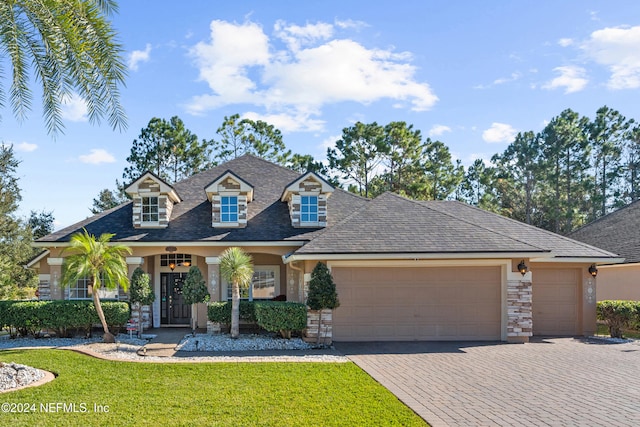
(404, 270)
(618, 232)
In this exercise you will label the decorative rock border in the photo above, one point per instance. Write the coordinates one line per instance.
(47, 377)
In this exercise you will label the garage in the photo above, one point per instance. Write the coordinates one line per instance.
(555, 301)
(407, 304)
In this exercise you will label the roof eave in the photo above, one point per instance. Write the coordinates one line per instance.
(409, 256)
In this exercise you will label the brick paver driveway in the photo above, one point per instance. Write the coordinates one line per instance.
(552, 382)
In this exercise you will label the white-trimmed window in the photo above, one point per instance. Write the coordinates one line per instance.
(265, 284)
(229, 209)
(79, 290)
(150, 211)
(308, 209)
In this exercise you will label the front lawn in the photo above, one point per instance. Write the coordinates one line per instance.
(198, 394)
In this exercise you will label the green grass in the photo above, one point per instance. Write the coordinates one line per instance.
(202, 394)
(627, 333)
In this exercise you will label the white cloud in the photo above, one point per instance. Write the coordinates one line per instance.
(617, 49)
(25, 147)
(438, 130)
(288, 122)
(97, 156)
(138, 56)
(513, 77)
(241, 65)
(564, 42)
(571, 78)
(74, 108)
(499, 132)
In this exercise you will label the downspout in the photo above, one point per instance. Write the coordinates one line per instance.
(300, 282)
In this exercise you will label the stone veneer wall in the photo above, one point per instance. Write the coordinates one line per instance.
(326, 328)
(294, 210)
(165, 207)
(519, 310)
(44, 290)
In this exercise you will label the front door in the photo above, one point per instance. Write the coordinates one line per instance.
(173, 310)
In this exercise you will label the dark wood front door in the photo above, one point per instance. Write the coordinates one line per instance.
(173, 309)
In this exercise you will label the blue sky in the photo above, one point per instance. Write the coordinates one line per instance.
(468, 73)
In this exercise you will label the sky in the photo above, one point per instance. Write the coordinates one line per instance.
(468, 73)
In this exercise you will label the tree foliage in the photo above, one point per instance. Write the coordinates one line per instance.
(236, 267)
(99, 261)
(15, 233)
(194, 289)
(239, 136)
(140, 290)
(70, 46)
(168, 149)
(106, 200)
(40, 223)
(322, 289)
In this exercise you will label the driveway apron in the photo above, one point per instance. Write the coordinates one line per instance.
(548, 382)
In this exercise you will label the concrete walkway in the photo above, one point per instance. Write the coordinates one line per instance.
(165, 342)
(554, 382)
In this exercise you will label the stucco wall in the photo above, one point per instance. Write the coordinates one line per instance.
(619, 282)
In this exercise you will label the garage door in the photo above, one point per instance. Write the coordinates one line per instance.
(405, 304)
(555, 301)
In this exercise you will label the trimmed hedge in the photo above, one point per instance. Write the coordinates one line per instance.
(283, 317)
(274, 316)
(618, 315)
(220, 312)
(30, 317)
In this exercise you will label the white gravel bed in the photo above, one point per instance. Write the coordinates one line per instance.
(6, 342)
(224, 342)
(126, 348)
(13, 375)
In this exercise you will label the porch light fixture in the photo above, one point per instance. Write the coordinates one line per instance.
(522, 268)
(593, 270)
(185, 264)
(172, 266)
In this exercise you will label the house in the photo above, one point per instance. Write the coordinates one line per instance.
(404, 269)
(618, 232)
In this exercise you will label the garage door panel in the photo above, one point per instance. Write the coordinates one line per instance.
(418, 304)
(555, 301)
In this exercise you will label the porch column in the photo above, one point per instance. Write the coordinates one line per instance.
(55, 271)
(519, 307)
(213, 277)
(589, 306)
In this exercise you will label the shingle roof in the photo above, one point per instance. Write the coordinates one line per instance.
(387, 224)
(268, 217)
(617, 232)
(391, 223)
(560, 246)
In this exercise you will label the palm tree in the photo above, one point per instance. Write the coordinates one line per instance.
(71, 47)
(236, 268)
(100, 262)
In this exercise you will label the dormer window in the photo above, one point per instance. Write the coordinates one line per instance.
(307, 199)
(150, 211)
(309, 209)
(229, 196)
(153, 201)
(229, 209)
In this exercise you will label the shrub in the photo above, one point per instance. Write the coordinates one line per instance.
(29, 317)
(220, 312)
(194, 289)
(140, 290)
(618, 315)
(283, 317)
